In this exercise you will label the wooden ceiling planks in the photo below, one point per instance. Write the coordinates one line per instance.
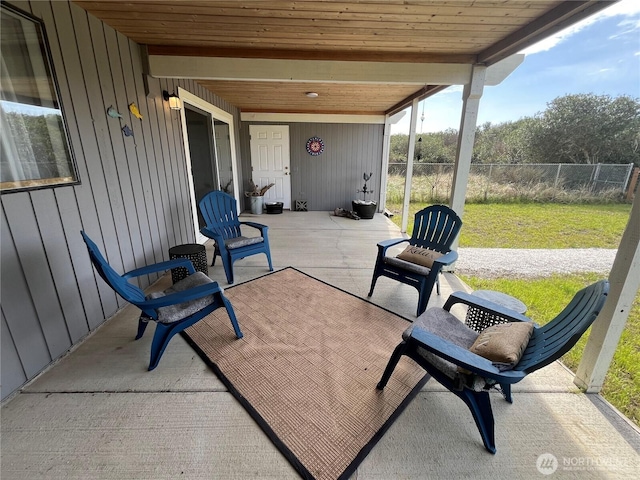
(279, 97)
(425, 27)
(410, 31)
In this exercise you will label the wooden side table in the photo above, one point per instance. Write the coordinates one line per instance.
(193, 251)
(479, 320)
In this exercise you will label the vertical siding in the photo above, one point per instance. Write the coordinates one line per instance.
(25, 331)
(133, 199)
(13, 374)
(329, 180)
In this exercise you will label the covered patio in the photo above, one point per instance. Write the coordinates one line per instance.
(130, 176)
(78, 401)
(98, 412)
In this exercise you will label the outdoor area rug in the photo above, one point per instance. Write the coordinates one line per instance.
(307, 367)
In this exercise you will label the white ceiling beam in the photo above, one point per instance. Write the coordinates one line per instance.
(260, 69)
(329, 71)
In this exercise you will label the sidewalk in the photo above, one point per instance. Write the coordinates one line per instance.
(522, 262)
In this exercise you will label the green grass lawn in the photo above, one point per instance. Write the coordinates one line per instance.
(558, 226)
(533, 225)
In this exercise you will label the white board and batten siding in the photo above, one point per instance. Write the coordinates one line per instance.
(133, 199)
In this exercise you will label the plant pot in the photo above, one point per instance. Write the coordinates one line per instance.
(274, 207)
(255, 204)
(365, 210)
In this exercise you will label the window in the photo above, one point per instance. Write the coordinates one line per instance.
(35, 151)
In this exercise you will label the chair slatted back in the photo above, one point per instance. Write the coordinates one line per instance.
(549, 342)
(435, 227)
(221, 214)
(122, 287)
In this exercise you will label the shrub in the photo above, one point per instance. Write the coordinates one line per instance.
(520, 184)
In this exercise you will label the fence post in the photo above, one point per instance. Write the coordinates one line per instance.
(595, 176)
(555, 185)
(486, 190)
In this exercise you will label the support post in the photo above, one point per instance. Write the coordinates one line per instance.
(384, 172)
(409, 175)
(607, 329)
(632, 183)
(466, 136)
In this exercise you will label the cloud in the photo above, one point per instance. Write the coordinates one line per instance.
(629, 9)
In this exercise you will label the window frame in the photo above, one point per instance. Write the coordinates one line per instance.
(47, 60)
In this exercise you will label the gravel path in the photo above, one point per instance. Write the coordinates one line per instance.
(520, 262)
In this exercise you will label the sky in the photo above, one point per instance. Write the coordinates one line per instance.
(600, 55)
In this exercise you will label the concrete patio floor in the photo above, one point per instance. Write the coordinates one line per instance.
(99, 414)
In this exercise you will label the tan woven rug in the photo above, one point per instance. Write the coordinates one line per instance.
(307, 368)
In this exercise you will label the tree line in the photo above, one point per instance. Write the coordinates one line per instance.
(580, 128)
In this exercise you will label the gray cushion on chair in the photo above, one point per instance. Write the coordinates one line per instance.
(412, 267)
(445, 325)
(241, 241)
(173, 313)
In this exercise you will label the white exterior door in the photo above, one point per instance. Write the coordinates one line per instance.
(270, 162)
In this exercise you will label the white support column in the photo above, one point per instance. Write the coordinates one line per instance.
(384, 173)
(466, 135)
(607, 329)
(409, 175)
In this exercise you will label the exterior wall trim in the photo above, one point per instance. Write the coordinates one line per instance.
(311, 118)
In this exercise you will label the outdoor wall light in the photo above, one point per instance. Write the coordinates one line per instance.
(173, 99)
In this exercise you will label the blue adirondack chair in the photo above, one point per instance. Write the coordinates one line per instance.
(434, 228)
(224, 227)
(178, 307)
(425, 343)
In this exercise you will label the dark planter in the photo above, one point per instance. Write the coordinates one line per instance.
(365, 210)
(274, 207)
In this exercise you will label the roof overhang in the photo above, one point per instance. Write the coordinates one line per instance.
(362, 58)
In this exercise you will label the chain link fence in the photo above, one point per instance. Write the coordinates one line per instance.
(553, 181)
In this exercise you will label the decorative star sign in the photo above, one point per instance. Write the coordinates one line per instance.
(133, 108)
(127, 131)
(113, 113)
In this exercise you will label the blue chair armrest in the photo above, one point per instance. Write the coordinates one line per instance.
(391, 242)
(484, 305)
(183, 296)
(259, 226)
(386, 244)
(161, 267)
(448, 258)
(463, 357)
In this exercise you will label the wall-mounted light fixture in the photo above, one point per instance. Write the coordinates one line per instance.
(173, 99)
(311, 94)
